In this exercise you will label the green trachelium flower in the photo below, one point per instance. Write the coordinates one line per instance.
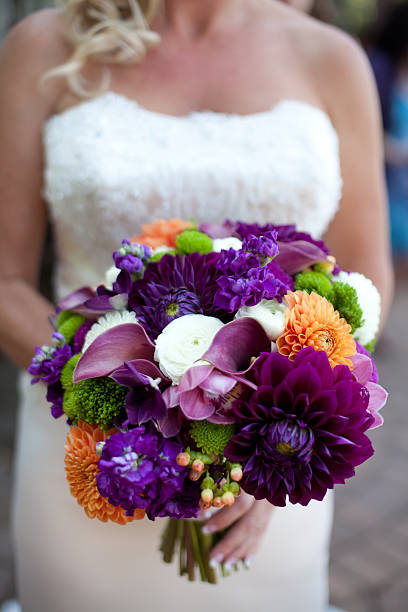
(210, 437)
(345, 300)
(370, 346)
(314, 281)
(98, 401)
(160, 254)
(193, 241)
(67, 373)
(68, 324)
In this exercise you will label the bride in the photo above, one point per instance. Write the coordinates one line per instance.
(114, 113)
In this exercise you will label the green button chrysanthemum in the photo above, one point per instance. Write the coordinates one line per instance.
(210, 437)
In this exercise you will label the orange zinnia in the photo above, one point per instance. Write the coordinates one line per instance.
(162, 232)
(81, 466)
(311, 320)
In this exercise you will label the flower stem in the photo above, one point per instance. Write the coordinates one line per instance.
(170, 541)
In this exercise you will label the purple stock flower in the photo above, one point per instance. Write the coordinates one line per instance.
(265, 246)
(132, 257)
(246, 282)
(46, 365)
(286, 233)
(48, 362)
(138, 469)
(144, 401)
(302, 431)
(173, 287)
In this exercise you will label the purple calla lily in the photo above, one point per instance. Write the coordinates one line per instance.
(298, 255)
(76, 302)
(362, 372)
(111, 349)
(144, 401)
(207, 391)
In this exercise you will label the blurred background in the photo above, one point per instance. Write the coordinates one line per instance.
(369, 569)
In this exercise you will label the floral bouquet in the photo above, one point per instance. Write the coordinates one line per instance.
(214, 360)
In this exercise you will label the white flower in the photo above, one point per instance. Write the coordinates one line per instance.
(370, 303)
(223, 244)
(111, 319)
(184, 341)
(162, 249)
(110, 276)
(269, 313)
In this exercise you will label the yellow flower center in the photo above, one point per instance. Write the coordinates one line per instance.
(323, 340)
(285, 449)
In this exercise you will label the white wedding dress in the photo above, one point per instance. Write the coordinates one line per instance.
(110, 166)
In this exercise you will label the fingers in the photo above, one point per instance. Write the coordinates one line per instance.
(228, 515)
(243, 539)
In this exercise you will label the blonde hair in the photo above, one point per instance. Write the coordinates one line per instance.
(108, 31)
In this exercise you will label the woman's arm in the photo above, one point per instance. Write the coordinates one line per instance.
(359, 234)
(29, 50)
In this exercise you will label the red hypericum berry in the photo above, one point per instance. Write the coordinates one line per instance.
(228, 498)
(236, 474)
(204, 505)
(194, 475)
(183, 459)
(207, 496)
(217, 502)
(198, 466)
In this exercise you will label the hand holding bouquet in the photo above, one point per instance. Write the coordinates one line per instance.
(213, 360)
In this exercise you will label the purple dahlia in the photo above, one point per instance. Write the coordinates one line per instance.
(138, 469)
(302, 431)
(173, 287)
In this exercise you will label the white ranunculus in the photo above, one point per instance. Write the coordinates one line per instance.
(110, 276)
(109, 320)
(370, 303)
(184, 341)
(223, 244)
(269, 313)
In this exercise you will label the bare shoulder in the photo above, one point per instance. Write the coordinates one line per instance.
(36, 44)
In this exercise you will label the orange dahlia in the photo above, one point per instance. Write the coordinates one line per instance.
(81, 466)
(311, 320)
(162, 232)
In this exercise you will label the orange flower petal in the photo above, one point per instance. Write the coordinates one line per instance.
(162, 232)
(81, 467)
(311, 320)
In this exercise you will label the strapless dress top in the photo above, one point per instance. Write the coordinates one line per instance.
(111, 165)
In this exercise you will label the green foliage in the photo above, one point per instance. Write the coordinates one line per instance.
(67, 372)
(210, 437)
(314, 281)
(345, 300)
(68, 324)
(98, 401)
(193, 241)
(158, 256)
(370, 346)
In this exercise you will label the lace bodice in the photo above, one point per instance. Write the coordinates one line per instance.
(112, 165)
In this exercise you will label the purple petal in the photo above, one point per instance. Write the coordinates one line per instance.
(363, 368)
(171, 424)
(141, 366)
(195, 405)
(194, 377)
(76, 303)
(219, 384)
(235, 343)
(171, 396)
(298, 255)
(111, 349)
(378, 398)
